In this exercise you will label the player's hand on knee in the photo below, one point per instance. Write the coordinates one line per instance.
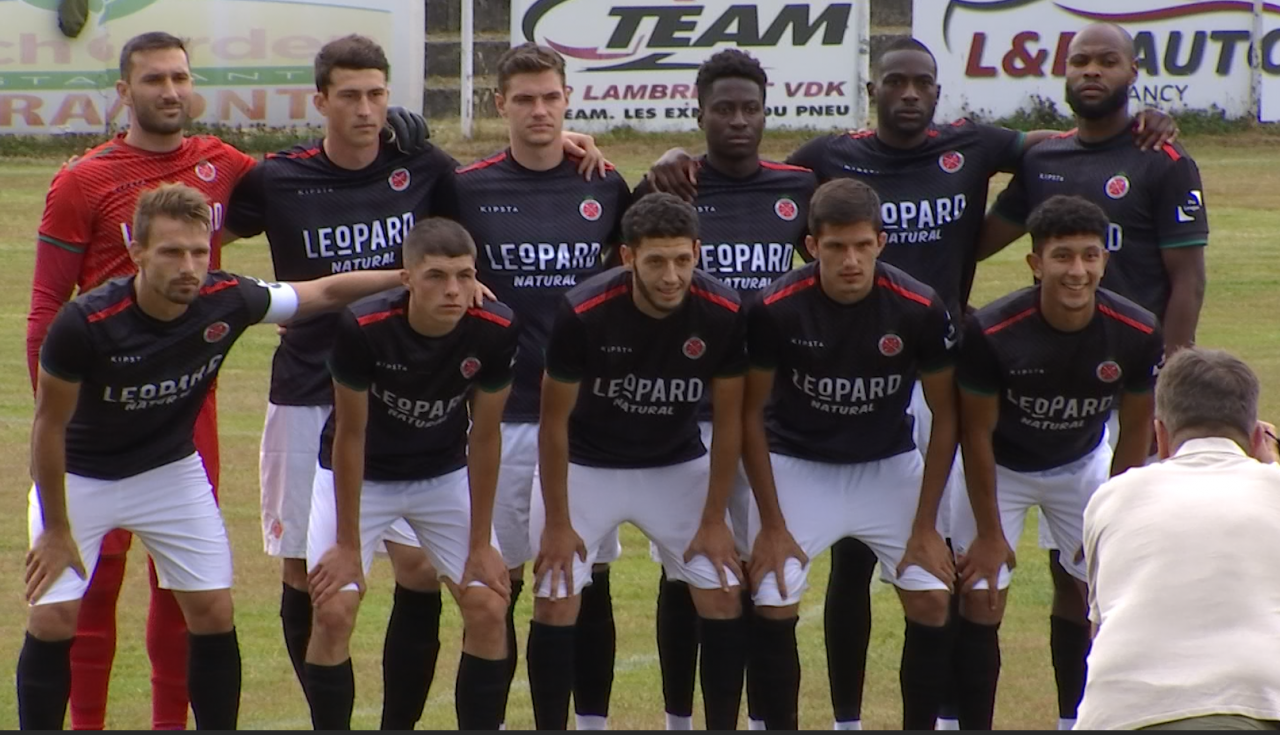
(926, 549)
(482, 295)
(1153, 129)
(581, 145)
(772, 547)
(485, 565)
(53, 552)
(560, 543)
(676, 173)
(714, 540)
(339, 567)
(982, 562)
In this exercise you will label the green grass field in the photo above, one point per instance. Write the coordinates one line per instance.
(1240, 176)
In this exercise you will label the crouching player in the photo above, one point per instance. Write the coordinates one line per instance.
(406, 365)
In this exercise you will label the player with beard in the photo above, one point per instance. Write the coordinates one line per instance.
(752, 216)
(124, 371)
(1040, 371)
(933, 182)
(1160, 228)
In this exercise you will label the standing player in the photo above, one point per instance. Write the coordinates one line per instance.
(1159, 230)
(633, 353)
(1040, 371)
(752, 215)
(407, 365)
(835, 348)
(540, 228)
(124, 371)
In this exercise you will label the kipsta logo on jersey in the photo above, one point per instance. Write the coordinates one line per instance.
(470, 367)
(1109, 371)
(216, 331)
(1117, 186)
(890, 345)
(206, 172)
(694, 348)
(951, 161)
(590, 209)
(786, 209)
(399, 179)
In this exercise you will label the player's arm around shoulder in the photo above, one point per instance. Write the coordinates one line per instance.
(331, 293)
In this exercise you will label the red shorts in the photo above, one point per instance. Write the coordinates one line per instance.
(206, 439)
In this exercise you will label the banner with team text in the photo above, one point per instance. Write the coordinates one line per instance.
(252, 59)
(996, 56)
(634, 62)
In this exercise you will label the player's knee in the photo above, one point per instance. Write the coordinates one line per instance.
(563, 611)
(55, 622)
(336, 618)
(413, 569)
(976, 607)
(599, 567)
(718, 604)
(207, 612)
(484, 614)
(294, 573)
(776, 612)
(927, 607)
(516, 573)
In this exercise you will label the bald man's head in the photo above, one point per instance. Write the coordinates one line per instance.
(1101, 69)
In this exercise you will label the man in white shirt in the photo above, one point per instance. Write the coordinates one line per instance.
(1184, 590)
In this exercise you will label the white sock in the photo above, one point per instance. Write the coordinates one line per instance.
(850, 725)
(944, 723)
(678, 722)
(755, 724)
(592, 722)
(1066, 723)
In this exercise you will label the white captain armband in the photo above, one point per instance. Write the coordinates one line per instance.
(283, 304)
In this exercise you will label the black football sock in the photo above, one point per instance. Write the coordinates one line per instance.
(44, 683)
(295, 620)
(947, 706)
(513, 657)
(550, 660)
(724, 660)
(926, 664)
(775, 664)
(847, 625)
(1069, 644)
(677, 646)
(478, 691)
(755, 695)
(409, 657)
(595, 649)
(977, 666)
(332, 691)
(213, 679)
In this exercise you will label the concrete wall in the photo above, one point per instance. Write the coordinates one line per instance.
(889, 18)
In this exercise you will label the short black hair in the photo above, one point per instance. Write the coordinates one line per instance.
(1063, 216)
(903, 43)
(844, 202)
(354, 52)
(730, 64)
(437, 236)
(153, 41)
(659, 215)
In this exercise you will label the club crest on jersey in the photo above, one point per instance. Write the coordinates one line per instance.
(786, 209)
(694, 348)
(469, 367)
(399, 179)
(1109, 371)
(890, 345)
(216, 331)
(951, 161)
(1117, 186)
(590, 209)
(206, 172)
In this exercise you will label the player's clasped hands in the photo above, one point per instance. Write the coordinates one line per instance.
(772, 547)
(714, 540)
(927, 550)
(485, 565)
(51, 554)
(337, 568)
(983, 561)
(555, 557)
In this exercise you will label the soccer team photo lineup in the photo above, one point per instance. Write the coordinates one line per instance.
(482, 370)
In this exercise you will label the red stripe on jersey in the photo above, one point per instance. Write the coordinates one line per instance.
(1125, 320)
(784, 167)
(489, 316)
(857, 134)
(486, 163)
(1172, 152)
(595, 301)
(378, 316)
(219, 286)
(791, 290)
(902, 291)
(1010, 321)
(308, 153)
(112, 310)
(714, 298)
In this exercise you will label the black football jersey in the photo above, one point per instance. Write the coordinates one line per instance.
(143, 380)
(751, 228)
(1056, 388)
(539, 233)
(322, 219)
(1154, 200)
(418, 385)
(844, 372)
(932, 197)
(641, 379)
